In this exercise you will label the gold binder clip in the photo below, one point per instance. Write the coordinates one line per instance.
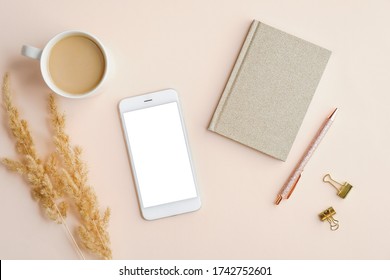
(328, 216)
(342, 190)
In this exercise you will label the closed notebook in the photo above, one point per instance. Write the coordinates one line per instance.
(269, 90)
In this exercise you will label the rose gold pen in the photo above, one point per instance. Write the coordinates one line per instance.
(292, 181)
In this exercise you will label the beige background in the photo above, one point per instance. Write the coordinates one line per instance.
(191, 46)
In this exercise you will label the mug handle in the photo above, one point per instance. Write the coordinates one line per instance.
(31, 52)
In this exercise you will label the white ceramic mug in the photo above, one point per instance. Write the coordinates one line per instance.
(43, 56)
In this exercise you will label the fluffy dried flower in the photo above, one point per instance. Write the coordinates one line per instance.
(30, 165)
(93, 230)
(62, 176)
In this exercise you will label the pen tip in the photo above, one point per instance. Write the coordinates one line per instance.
(278, 199)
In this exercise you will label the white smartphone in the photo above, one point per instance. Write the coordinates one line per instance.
(159, 153)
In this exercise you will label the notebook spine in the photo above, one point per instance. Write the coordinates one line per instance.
(233, 75)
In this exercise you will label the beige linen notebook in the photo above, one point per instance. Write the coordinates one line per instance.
(269, 90)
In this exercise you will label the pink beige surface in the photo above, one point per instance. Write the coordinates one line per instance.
(192, 46)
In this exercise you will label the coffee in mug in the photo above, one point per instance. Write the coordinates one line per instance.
(74, 64)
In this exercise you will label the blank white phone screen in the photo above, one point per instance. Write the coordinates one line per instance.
(160, 155)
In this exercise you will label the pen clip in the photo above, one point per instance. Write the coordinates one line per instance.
(293, 187)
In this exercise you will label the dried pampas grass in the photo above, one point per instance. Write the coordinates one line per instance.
(93, 230)
(60, 179)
